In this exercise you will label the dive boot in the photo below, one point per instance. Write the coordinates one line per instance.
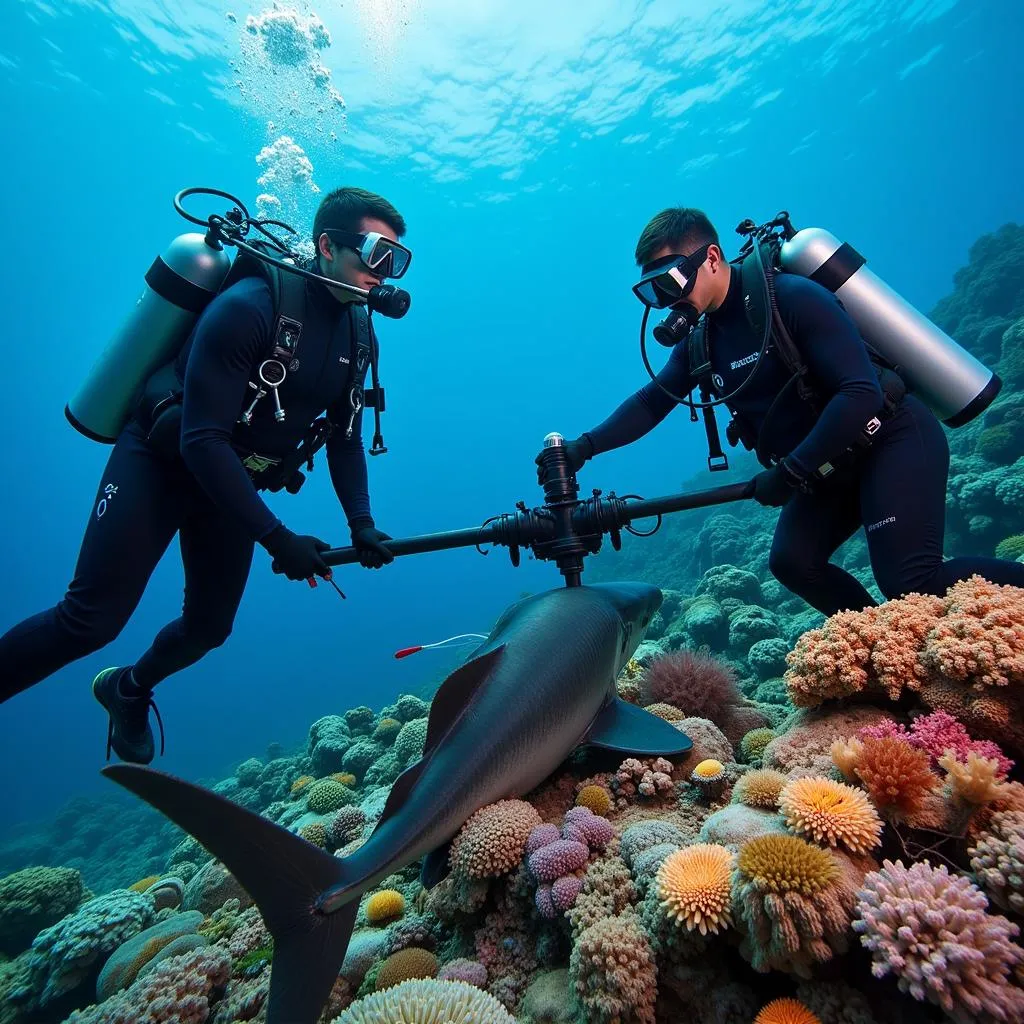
(129, 734)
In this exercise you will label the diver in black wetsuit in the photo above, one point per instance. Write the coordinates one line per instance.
(895, 488)
(201, 481)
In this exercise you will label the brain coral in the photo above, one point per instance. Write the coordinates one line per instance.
(406, 964)
(493, 839)
(328, 795)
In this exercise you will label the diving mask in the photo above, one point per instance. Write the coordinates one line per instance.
(670, 279)
(383, 255)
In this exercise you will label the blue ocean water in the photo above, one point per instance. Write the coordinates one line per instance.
(526, 145)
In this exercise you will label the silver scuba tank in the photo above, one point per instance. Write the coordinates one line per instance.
(944, 375)
(179, 285)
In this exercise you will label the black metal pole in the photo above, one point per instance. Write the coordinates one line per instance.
(646, 507)
(420, 544)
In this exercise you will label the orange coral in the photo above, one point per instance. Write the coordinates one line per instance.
(407, 963)
(897, 776)
(694, 887)
(905, 624)
(831, 813)
(786, 1011)
(345, 778)
(832, 661)
(980, 639)
(301, 783)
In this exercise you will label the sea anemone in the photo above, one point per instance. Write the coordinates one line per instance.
(786, 1011)
(831, 812)
(760, 788)
(897, 776)
(694, 887)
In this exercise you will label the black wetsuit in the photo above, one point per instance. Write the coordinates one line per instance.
(203, 492)
(896, 489)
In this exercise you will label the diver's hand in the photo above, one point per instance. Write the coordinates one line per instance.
(774, 487)
(577, 452)
(369, 544)
(298, 556)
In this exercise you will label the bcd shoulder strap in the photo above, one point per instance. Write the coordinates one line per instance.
(699, 366)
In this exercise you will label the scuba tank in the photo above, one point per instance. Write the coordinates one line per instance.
(955, 385)
(179, 285)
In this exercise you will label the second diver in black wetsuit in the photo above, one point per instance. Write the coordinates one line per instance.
(895, 488)
(201, 482)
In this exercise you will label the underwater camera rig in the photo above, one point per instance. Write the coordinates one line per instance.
(566, 528)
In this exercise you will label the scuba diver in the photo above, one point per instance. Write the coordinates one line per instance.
(844, 441)
(235, 411)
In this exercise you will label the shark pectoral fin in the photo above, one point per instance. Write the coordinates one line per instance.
(281, 871)
(435, 866)
(628, 729)
(455, 693)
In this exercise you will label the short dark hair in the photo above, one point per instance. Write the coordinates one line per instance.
(345, 207)
(680, 227)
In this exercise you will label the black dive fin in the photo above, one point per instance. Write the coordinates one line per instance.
(435, 866)
(628, 729)
(455, 693)
(282, 872)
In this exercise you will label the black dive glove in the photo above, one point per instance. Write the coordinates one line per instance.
(577, 453)
(368, 542)
(774, 487)
(298, 556)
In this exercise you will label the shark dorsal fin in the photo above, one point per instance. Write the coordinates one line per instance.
(447, 705)
(455, 693)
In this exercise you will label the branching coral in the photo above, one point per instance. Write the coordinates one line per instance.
(613, 972)
(897, 777)
(930, 929)
(997, 859)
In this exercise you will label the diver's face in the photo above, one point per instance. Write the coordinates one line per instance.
(708, 290)
(340, 263)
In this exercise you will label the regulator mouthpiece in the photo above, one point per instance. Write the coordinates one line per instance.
(389, 301)
(676, 326)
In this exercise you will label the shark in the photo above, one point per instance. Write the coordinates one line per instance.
(542, 684)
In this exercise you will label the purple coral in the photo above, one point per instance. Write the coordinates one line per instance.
(564, 892)
(597, 831)
(562, 857)
(543, 901)
(470, 971)
(930, 929)
(542, 835)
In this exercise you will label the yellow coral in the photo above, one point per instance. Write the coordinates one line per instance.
(709, 769)
(694, 887)
(976, 782)
(786, 1011)
(301, 783)
(408, 963)
(314, 833)
(385, 906)
(782, 864)
(144, 883)
(760, 788)
(667, 711)
(345, 778)
(832, 813)
(596, 798)
(846, 756)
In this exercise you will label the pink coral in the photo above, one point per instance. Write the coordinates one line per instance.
(930, 929)
(177, 991)
(561, 857)
(469, 971)
(493, 839)
(647, 777)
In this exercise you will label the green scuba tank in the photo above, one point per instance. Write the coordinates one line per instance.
(944, 375)
(179, 285)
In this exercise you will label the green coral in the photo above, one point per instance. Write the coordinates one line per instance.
(1011, 548)
(328, 795)
(258, 956)
(34, 899)
(753, 743)
(997, 444)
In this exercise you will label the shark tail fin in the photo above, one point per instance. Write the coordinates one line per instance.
(283, 873)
